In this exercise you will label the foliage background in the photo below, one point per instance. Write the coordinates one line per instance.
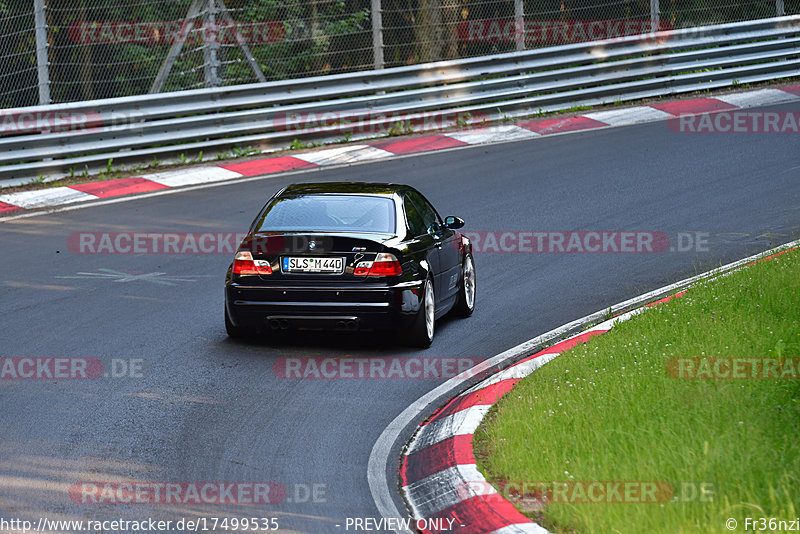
(321, 37)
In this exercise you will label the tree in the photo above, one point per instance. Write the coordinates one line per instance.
(436, 35)
(18, 73)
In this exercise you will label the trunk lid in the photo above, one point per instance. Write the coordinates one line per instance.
(300, 257)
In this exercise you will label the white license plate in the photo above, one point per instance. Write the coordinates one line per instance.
(313, 265)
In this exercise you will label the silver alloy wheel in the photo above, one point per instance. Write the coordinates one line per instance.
(469, 282)
(430, 308)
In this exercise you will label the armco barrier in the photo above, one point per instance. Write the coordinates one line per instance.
(69, 138)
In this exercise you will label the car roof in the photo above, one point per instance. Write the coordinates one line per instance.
(368, 188)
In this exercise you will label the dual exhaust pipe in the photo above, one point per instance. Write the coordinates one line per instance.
(279, 324)
(348, 324)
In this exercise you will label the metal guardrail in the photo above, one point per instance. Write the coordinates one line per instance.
(138, 129)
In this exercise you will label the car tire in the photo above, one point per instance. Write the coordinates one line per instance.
(422, 331)
(465, 302)
(234, 332)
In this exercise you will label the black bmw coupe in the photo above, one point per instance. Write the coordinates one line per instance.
(350, 256)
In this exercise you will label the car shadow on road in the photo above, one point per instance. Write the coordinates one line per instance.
(358, 342)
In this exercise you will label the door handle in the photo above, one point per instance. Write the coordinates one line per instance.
(438, 244)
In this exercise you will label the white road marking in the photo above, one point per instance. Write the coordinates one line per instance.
(521, 528)
(627, 116)
(762, 97)
(520, 370)
(493, 134)
(447, 488)
(203, 175)
(46, 197)
(461, 423)
(348, 154)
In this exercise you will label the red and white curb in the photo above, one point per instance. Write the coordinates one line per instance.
(441, 484)
(14, 203)
(438, 472)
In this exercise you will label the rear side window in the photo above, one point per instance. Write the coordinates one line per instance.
(430, 219)
(330, 213)
(416, 223)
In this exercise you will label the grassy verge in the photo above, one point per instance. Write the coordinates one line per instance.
(610, 411)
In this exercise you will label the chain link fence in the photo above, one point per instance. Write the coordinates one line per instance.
(18, 69)
(76, 50)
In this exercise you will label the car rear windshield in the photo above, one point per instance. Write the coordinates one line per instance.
(330, 213)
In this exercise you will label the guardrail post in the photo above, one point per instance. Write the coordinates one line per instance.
(248, 54)
(42, 56)
(780, 7)
(377, 34)
(519, 23)
(655, 16)
(175, 49)
(211, 49)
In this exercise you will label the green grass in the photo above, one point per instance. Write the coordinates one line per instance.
(608, 411)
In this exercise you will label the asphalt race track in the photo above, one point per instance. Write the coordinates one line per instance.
(203, 408)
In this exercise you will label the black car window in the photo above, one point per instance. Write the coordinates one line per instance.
(330, 213)
(431, 220)
(416, 223)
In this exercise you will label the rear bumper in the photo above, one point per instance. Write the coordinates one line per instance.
(374, 307)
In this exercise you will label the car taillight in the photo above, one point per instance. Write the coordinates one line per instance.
(384, 265)
(243, 263)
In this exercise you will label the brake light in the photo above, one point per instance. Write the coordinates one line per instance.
(384, 265)
(243, 263)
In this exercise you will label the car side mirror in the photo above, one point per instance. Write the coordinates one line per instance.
(454, 223)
